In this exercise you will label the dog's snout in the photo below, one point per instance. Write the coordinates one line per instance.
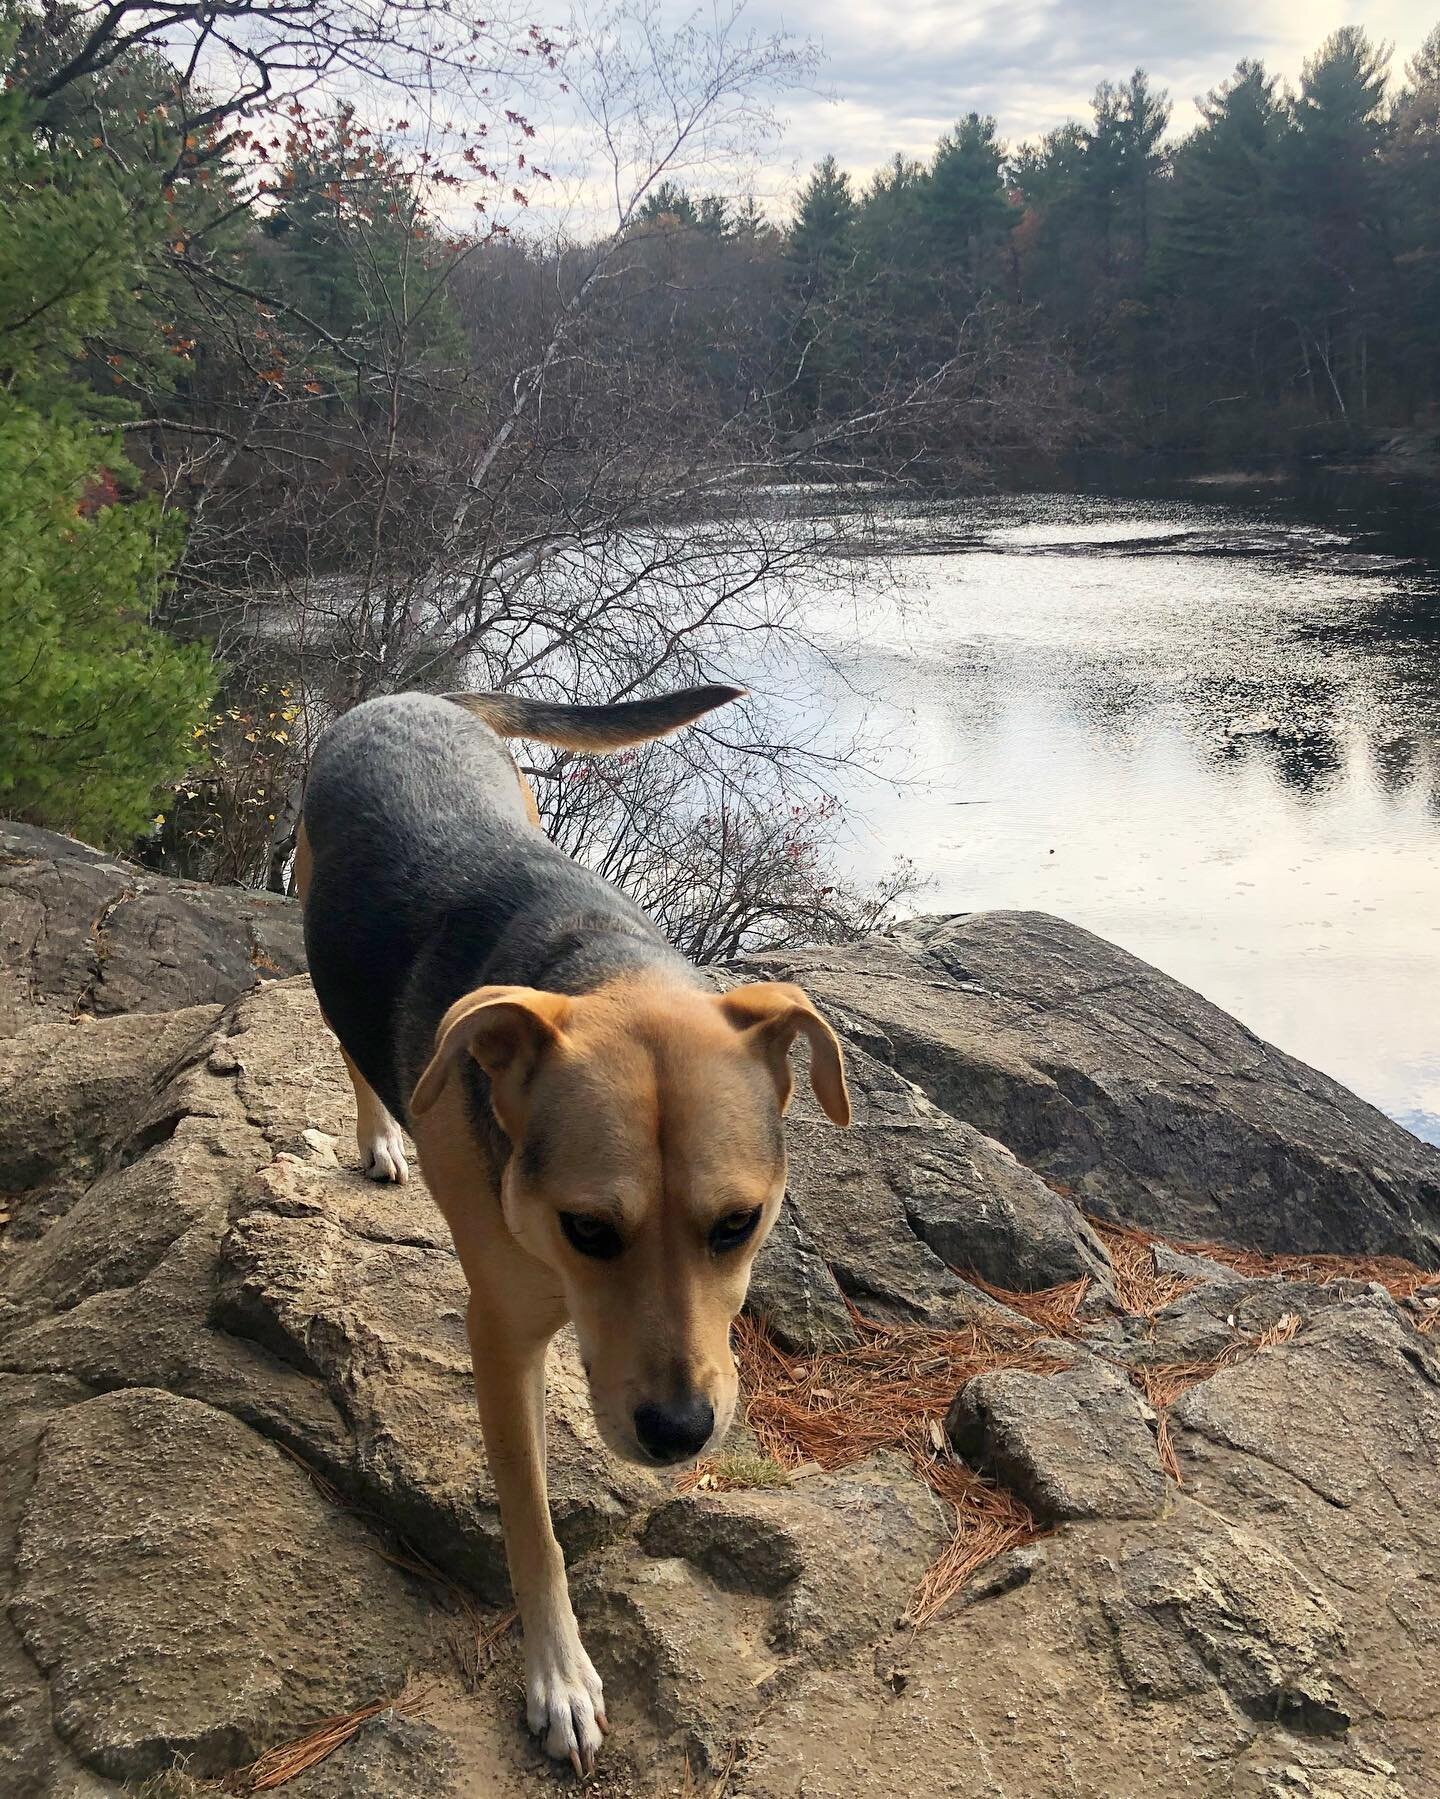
(672, 1432)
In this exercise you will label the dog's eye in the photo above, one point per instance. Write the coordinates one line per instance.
(591, 1236)
(733, 1229)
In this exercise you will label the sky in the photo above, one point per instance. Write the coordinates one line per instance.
(896, 73)
(893, 75)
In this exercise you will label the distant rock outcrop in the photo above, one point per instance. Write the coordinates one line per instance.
(242, 1489)
(1127, 1088)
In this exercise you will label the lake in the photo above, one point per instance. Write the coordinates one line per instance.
(1204, 724)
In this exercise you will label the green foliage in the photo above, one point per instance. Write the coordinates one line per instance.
(668, 205)
(819, 246)
(819, 269)
(1225, 194)
(71, 239)
(962, 199)
(1221, 250)
(1277, 269)
(1335, 174)
(1413, 163)
(739, 1470)
(98, 706)
(352, 248)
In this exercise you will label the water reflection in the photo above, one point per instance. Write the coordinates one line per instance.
(1396, 761)
(1207, 734)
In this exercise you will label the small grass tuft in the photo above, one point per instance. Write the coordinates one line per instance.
(736, 1472)
(171, 1783)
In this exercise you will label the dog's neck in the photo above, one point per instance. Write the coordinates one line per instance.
(584, 951)
(574, 954)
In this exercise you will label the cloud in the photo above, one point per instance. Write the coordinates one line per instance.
(896, 74)
(899, 74)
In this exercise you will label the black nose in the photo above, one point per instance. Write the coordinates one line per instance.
(672, 1432)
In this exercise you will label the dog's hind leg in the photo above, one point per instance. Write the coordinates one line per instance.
(564, 1701)
(382, 1146)
(381, 1141)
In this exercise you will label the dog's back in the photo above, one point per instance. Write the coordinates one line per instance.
(427, 879)
(600, 1127)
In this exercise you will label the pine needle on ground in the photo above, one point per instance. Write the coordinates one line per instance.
(1054, 1310)
(1164, 1383)
(285, 1763)
(1140, 1288)
(891, 1390)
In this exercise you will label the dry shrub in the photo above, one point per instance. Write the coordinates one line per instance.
(173, 1783)
(891, 1390)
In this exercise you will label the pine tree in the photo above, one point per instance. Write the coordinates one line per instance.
(1217, 251)
(1225, 191)
(963, 202)
(821, 241)
(1340, 276)
(99, 708)
(714, 217)
(1123, 158)
(670, 206)
(1414, 165)
(353, 245)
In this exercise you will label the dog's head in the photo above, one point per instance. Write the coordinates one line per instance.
(647, 1165)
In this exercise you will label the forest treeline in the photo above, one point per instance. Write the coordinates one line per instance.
(303, 401)
(1269, 279)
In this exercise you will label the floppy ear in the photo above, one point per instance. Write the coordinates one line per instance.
(772, 1014)
(506, 1030)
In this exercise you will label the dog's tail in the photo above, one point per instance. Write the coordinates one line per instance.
(595, 727)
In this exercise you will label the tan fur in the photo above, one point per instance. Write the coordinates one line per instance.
(652, 1105)
(527, 793)
(605, 1070)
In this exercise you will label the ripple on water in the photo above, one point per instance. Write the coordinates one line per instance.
(1208, 731)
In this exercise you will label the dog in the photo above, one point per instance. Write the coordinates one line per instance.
(600, 1127)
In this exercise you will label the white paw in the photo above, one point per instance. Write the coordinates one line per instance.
(383, 1156)
(565, 1703)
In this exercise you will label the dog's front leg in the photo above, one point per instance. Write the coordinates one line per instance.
(564, 1701)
